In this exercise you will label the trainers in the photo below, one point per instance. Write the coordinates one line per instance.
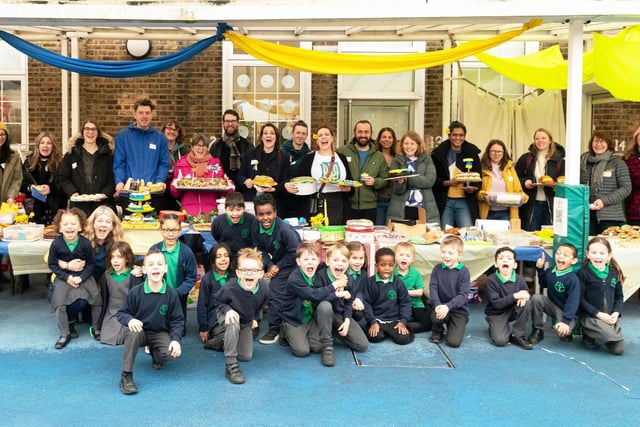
(271, 337)
(327, 357)
(536, 336)
(233, 373)
(73, 334)
(127, 386)
(94, 333)
(435, 337)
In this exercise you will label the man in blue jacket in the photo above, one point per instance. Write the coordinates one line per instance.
(142, 153)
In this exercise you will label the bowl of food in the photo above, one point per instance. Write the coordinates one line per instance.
(306, 185)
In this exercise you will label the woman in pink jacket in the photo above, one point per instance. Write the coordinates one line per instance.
(199, 163)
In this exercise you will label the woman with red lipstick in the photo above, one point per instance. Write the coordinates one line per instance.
(40, 178)
(266, 159)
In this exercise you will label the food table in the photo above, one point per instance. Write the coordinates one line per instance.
(28, 257)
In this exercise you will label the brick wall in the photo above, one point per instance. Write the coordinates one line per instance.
(45, 94)
(618, 119)
(433, 99)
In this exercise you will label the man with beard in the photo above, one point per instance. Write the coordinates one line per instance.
(230, 149)
(367, 165)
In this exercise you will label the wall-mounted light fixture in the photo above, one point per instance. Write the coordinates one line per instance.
(138, 48)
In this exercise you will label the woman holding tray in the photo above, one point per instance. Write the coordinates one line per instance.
(87, 169)
(330, 165)
(413, 192)
(501, 193)
(198, 195)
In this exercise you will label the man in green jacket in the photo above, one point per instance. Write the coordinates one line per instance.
(367, 165)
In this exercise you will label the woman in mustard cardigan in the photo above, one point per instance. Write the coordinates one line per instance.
(499, 176)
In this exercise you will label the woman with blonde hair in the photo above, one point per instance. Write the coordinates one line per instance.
(102, 229)
(544, 158)
(40, 178)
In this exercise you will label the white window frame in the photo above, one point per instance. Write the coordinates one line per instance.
(20, 74)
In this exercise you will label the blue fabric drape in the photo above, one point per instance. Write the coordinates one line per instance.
(115, 69)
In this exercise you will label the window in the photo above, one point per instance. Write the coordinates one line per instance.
(393, 100)
(263, 93)
(482, 76)
(13, 94)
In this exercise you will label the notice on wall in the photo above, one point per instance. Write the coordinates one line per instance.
(560, 216)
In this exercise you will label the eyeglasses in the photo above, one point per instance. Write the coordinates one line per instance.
(200, 145)
(495, 152)
(171, 129)
(251, 271)
(171, 230)
(228, 122)
(87, 129)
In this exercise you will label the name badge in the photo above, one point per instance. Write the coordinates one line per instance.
(608, 173)
(74, 165)
(152, 146)
(509, 178)
(348, 158)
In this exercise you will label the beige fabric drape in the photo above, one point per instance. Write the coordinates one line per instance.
(510, 120)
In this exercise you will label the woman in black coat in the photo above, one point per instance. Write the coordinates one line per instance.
(88, 168)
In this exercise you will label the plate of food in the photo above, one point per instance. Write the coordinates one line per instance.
(264, 181)
(203, 184)
(401, 176)
(343, 182)
(88, 197)
(140, 186)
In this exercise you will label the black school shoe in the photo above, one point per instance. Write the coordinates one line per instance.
(588, 342)
(536, 336)
(435, 337)
(233, 373)
(327, 358)
(127, 386)
(521, 342)
(62, 342)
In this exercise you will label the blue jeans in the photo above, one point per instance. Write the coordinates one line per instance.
(456, 214)
(540, 215)
(500, 215)
(381, 212)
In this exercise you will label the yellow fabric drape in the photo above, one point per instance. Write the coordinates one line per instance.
(339, 63)
(617, 63)
(545, 69)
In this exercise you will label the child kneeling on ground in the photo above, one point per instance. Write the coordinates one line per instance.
(238, 304)
(448, 289)
(387, 304)
(153, 315)
(306, 310)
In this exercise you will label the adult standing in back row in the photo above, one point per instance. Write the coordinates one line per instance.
(142, 153)
(367, 165)
(457, 201)
(231, 148)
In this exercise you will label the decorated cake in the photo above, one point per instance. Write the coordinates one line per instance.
(469, 177)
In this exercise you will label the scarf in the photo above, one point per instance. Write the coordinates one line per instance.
(235, 159)
(200, 166)
(597, 164)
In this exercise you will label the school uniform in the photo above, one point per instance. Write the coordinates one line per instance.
(114, 289)
(307, 313)
(65, 294)
(238, 337)
(562, 300)
(413, 281)
(162, 322)
(357, 281)
(387, 303)
(278, 246)
(343, 309)
(450, 287)
(502, 308)
(183, 275)
(236, 236)
(601, 292)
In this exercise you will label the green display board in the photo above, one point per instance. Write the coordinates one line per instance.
(571, 218)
